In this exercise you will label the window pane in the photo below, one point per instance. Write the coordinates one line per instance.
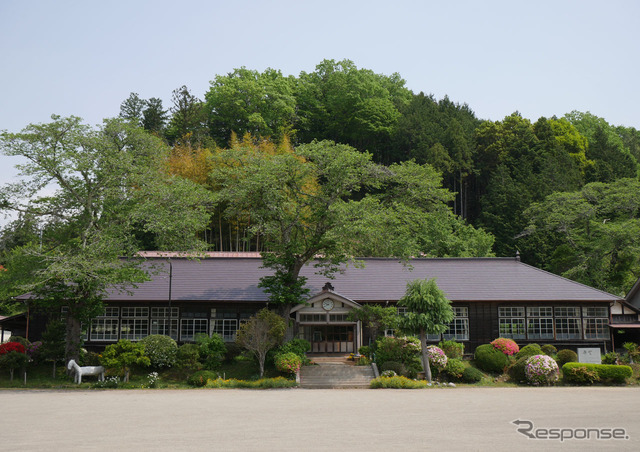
(596, 329)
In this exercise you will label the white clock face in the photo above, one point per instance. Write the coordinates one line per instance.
(327, 304)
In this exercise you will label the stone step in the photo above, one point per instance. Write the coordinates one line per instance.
(335, 375)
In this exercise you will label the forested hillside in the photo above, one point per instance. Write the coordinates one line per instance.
(276, 154)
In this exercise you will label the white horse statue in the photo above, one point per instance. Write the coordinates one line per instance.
(85, 370)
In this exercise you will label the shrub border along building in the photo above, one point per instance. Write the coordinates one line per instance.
(606, 372)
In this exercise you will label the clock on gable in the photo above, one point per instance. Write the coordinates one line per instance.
(327, 304)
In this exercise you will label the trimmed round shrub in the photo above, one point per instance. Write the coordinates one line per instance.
(394, 366)
(388, 373)
(610, 358)
(288, 362)
(580, 375)
(566, 356)
(517, 370)
(490, 359)
(201, 377)
(452, 349)
(232, 351)
(437, 358)
(454, 369)
(529, 350)
(161, 350)
(472, 375)
(506, 346)
(549, 349)
(541, 370)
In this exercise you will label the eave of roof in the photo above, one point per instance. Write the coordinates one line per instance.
(634, 289)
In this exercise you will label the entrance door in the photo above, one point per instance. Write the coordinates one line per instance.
(330, 338)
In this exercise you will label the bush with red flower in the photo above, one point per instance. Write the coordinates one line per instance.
(11, 347)
(506, 346)
(13, 356)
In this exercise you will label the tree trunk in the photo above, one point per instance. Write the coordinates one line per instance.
(74, 338)
(261, 358)
(126, 375)
(54, 369)
(11, 373)
(425, 356)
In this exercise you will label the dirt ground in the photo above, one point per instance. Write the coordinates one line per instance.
(296, 419)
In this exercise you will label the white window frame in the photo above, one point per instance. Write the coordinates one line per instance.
(540, 323)
(511, 322)
(105, 328)
(161, 324)
(195, 324)
(134, 322)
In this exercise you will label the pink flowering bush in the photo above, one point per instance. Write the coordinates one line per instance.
(506, 346)
(288, 363)
(437, 358)
(541, 370)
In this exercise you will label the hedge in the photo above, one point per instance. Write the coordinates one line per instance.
(606, 372)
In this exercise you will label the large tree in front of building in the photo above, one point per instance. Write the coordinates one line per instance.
(327, 202)
(428, 312)
(95, 192)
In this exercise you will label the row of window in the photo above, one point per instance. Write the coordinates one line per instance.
(458, 328)
(322, 318)
(534, 323)
(555, 323)
(135, 323)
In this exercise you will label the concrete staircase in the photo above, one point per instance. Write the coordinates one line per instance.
(330, 372)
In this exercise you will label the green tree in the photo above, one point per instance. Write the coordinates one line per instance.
(594, 233)
(131, 109)
(188, 122)
(154, 117)
(375, 318)
(246, 101)
(53, 342)
(212, 350)
(261, 333)
(342, 103)
(106, 187)
(428, 312)
(292, 198)
(123, 355)
(329, 199)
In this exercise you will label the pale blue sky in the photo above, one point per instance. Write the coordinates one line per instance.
(540, 57)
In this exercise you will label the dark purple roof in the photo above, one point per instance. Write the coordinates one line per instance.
(462, 279)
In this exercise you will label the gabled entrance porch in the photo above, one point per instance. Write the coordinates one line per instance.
(323, 321)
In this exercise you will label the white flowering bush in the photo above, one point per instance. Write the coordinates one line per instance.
(161, 350)
(541, 370)
(152, 380)
(437, 357)
(109, 382)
